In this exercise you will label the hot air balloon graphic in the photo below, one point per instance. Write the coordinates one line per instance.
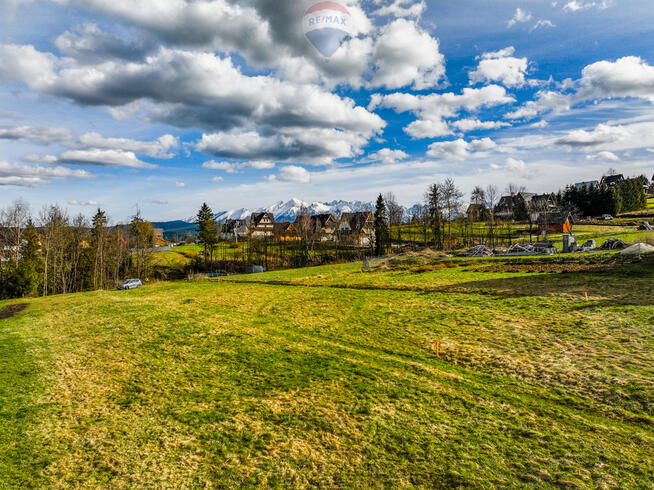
(326, 25)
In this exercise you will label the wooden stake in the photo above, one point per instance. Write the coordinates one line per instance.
(586, 293)
(437, 346)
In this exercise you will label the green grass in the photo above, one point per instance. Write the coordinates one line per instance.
(650, 203)
(326, 377)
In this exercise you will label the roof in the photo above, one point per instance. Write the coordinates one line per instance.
(285, 227)
(612, 179)
(232, 224)
(256, 218)
(322, 219)
(357, 221)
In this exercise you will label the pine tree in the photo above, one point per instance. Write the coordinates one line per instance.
(99, 239)
(381, 227)
(208, 234)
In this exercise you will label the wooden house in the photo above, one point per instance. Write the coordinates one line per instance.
(324, 226)
(286, 232)
(262, 225)
(234, 229)
(555, 222)
(477, 212)
(357, 229)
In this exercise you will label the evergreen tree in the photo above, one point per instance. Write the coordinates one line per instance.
(208, 234)
(99, 242)
(435, 212)
(381, 227)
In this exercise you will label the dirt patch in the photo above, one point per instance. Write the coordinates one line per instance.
(544, 268)
(11, 310)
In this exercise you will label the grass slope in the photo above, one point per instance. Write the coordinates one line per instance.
(327, 377)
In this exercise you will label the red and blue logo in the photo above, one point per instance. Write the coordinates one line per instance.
(326, 25)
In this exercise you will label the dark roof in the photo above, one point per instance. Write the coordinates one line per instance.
(611, 180)
(285, 227)
(358, 220)
(256, 218)
(322, 219)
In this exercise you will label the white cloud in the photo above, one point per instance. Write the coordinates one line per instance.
(601, 135)
(402, 8)
(604, 156)
(105, 158)
(75, 202)
(546, 101)
(32, 176)
(501, 67)
(181, 185)
(405, 54)
(433, 109)
(627, 77)
(157, 149)
(459, 149)
(39, 135)
(577, 5)
(520, 16)
(292, 173)
(217, 179)
(466, 125)
(543, 23)
(387, 156)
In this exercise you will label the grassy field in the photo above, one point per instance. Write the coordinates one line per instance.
(327, 377)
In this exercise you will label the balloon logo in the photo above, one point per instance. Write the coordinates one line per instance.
(326, 25)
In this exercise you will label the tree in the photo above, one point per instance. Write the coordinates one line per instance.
(99, 242)
(492, 198)
(451, 196)
(478, 196)
(395, 214)
(381, 227)
(512, 188)
(142, 235)
(208, 232)
(13, 221)
(435, 213)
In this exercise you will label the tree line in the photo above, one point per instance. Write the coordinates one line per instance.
(595, 200)
(53, 253)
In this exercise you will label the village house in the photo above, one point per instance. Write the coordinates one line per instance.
(357, 229)
(286, 232)
(592, 184)
(505, 207)
(324, 226)
(476, 212)
(555, 222)
(612, 180)
(524, 205)
(234, 229)
(262, 225)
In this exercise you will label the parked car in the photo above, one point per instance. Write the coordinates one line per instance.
(606, 217)
(130, 284)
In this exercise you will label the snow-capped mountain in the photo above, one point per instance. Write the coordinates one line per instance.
(288, 211)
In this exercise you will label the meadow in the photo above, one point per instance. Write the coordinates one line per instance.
(328, 377)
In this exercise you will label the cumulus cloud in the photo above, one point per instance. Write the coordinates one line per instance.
(387, 156)
(543, 23)
(39, 135)
(604, 156)
(235, 167)
(601, 135)
(467, 125)
(627, 77)
(433, 109)
(405, 55)
(292, 173)
(519, 17)
(32, 176)
(102, 158)
(577, 5)
(89, 44)
(401, 8)
(459, 149)
(502, 67)
(515, 166)
(157, 149)
(545, 101)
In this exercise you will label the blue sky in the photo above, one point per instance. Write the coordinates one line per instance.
(164, 104)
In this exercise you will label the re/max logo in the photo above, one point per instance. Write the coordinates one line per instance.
(328, 19)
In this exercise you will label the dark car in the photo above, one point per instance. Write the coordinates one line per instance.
(130, 284)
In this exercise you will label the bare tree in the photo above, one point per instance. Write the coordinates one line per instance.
(512, 188)
(395, 214)
(13, 222)
(451, 196)
(492, 198)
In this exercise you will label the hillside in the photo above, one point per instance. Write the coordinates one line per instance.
(327, 377)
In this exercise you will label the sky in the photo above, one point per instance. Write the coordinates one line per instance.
(161, 105)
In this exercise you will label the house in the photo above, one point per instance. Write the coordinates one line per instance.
(555, 222)
(324, 225)
(286, 232)
(477, 212)
(357, 229)
(262, 225)
(234, 229)
(612, 180)
(504, 209)
(589, 185)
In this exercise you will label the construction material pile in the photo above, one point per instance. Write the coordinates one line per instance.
(645, 226)
(479, 251)
(613, 244)
(638, 249)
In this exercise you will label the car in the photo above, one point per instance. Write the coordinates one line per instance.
(130, 284)
(606, 217)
